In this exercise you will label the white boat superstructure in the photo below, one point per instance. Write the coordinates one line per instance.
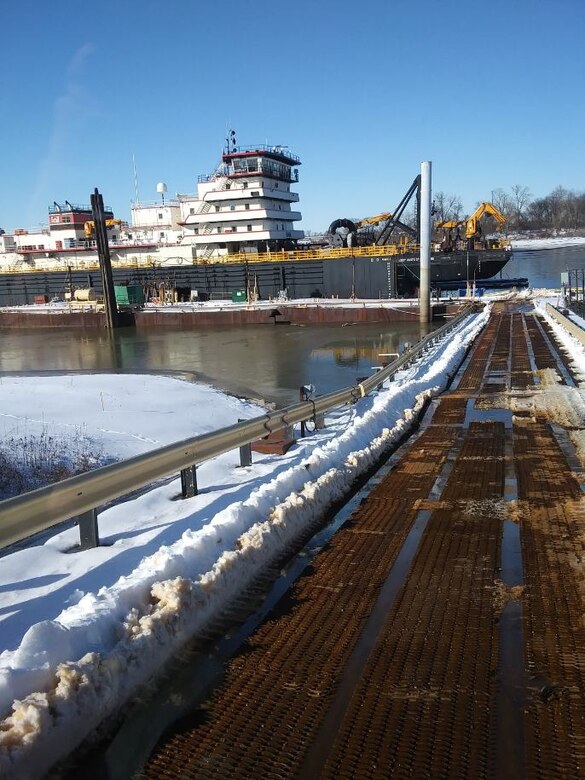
(244, 206)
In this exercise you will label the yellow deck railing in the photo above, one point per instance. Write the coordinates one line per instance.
(151, 261)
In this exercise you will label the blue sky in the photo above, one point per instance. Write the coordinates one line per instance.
(491, 93)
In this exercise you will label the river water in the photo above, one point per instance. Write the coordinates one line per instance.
(543, 267)
(268, 362)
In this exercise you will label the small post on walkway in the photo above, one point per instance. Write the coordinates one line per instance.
(424, 305)
(101, 237)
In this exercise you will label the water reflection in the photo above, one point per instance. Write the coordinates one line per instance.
(269, 362)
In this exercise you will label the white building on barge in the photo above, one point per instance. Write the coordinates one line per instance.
(244, 206)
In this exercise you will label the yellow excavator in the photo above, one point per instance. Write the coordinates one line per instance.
(89, 226)
(472, 223)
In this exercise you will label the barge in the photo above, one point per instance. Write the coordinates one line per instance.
(237, 233)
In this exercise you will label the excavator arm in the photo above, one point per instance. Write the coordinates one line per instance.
(472, 224)
(450, 224)
(89, 226)
(374, 220)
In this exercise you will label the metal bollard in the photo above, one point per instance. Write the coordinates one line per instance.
(88, 530)
(189, 482)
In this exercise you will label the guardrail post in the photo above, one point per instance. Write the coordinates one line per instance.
(88, 530)
(246, 454)
(189, 482)
(245, 450)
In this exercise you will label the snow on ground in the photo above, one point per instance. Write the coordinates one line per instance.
(81, 631)
(572, 347)
(547, 243)
(126, 415)
(56, 307)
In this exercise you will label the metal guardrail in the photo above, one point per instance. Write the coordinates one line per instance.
(80, 496)
(567, 324)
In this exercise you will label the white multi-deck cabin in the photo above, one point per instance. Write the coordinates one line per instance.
(245, 205)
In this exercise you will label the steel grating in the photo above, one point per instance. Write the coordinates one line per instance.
(409, 649)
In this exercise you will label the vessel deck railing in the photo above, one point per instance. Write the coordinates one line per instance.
(80, 496)
(58, 208)
(283, 151)
(284, 256)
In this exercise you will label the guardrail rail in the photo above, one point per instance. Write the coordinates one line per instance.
(567, 324)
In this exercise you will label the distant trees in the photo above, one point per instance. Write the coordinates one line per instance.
(520, 197)
(562, 209)
(447, 207)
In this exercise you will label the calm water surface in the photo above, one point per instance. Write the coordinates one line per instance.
(269, 362)
(543, 267)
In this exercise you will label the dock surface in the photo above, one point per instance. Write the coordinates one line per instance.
(440, 633)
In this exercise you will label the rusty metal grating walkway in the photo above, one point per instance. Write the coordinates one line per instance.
(441, 632)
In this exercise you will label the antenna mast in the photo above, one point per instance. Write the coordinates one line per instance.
(136, 197)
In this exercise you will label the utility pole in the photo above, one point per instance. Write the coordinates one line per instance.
(424, 305)
(101, 237)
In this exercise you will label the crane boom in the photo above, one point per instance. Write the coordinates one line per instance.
(472, 228)
(374, 220)
(89, 226)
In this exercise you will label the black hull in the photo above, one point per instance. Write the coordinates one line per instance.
(453, 268)
(363, 277)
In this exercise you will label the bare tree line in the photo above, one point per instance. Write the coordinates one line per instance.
(562, 209)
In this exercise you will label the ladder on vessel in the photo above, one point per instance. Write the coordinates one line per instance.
(207, 229)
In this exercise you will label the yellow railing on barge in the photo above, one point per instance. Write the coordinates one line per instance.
(150, 261)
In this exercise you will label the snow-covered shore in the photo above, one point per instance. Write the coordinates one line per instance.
(547, 243)
(81, 631)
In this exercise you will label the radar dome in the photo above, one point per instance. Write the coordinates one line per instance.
(161, 187)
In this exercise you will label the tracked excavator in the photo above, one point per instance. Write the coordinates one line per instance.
(472, 223)
(471, 226)
(460, 254)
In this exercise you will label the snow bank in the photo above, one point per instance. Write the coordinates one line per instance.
(71, 672)
(547, 243)
(573, 348)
